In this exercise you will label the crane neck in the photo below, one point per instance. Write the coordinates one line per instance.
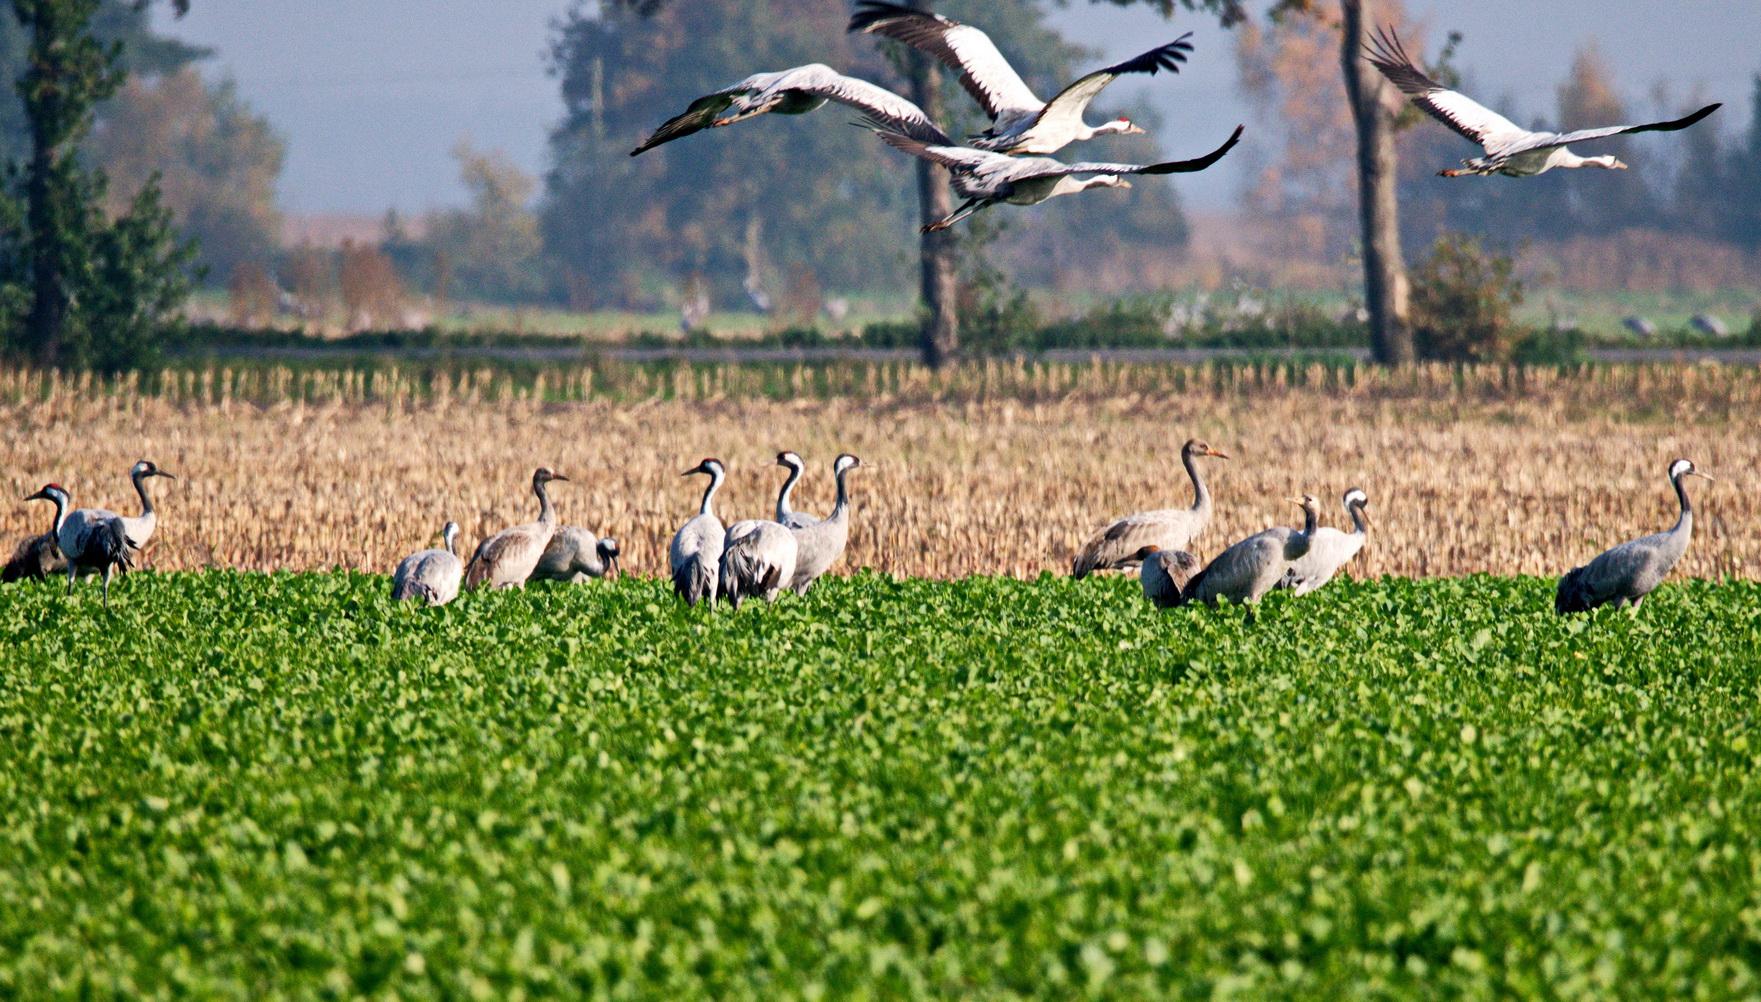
(1681, 494)
(843, 503)
(447, 539)
(715, 481)
(546, 513)
(783, 508)
(1201, 495)
(60, 514)
(140, 482)
(1360, 525)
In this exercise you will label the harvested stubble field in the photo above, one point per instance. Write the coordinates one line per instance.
(987, 469)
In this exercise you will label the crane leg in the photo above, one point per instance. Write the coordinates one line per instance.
(107, 571)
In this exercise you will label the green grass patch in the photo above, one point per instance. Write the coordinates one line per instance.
(280, 787)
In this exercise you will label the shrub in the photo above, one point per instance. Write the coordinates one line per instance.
(1463, 298)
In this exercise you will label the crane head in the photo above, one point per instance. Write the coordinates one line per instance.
(50, 492)
(1194, 447)
(543, 475)
(1356, 496)
(1684, 468)
(147, 468)
(1144, 553)
(789, 458)
(712, 466)
(845, 462)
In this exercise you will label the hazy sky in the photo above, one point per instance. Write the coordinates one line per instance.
(372, 95)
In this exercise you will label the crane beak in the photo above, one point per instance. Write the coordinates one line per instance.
(1219, 455)
(1366, 515)
(1697, 473)
(1133, 130)
(162, 473)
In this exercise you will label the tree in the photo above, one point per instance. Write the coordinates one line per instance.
(94, 289)
(217, 161)
(1384, 272)
(1744, 180)
(939, 282)
(491, 250)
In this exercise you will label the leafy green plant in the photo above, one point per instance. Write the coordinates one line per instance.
(286, 786)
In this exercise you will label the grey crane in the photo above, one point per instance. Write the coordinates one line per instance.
(1020, 121)
(795, 92)
(1165, 574)
(574, 554)
(984, 178)
(785, 514)
(138, 528)
(506, 559)
(92, 543)
(1330, 549)
(1245, 572)
(431, 575)
(36, 557)
(1510, 149)
(823, 542)
(759, 559)
(696, 552)
(1627, 573)
(1116, 546)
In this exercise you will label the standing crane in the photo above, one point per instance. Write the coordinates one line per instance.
(1020, 121)
(36, 557)
(1510, 149)
(823, 542)
(574, 554)
(1245, 572)
(1627, 573)
(506, 559)
(91, 542)
(1165, 574)
(696, 552)
(1330, 549)
(137, 528)
(760, 559)
(785, 514)
(1116, 546)
(431, 575)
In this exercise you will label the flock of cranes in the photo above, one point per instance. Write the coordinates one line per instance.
(790, 551)
(1009, 162)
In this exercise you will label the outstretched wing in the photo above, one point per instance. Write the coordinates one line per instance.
(881, 107)
(1069, 104)
(699, 116)
(957, 158)
(1054, 169)
(984, 72)
(1467, 117)
(1542, 140)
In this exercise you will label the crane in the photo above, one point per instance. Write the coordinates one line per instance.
(506, 559)
(1020, 121)
(137, 528)
(1245, 572)
(1165, 574)
(822, 543)
(1117, 545)
(1627, 573)
(574, 554)
(696, 552)
(1510, 149)
(1330, 549)
(759, 559)
(984, 178)
(90, 543)
(795, 92)
(431, 575)
(785, 514)
(36, 557)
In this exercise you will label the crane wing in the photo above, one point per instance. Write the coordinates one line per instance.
(699, 116)
(1069, 104)
(1543, 140)
(1170, 167)
(885, 109)
(984, 71)
(957, 158)
(1467, 117)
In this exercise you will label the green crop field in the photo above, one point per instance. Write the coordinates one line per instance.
(239, 786)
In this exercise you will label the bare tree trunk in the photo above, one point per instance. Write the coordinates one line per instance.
(1385, 285)
(47, 318)
(941, 328)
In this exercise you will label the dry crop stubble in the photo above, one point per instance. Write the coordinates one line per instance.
(990, 476)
